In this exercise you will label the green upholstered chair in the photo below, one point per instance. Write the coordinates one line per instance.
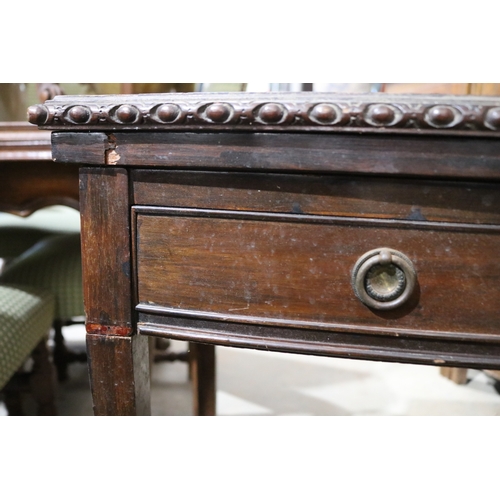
(26, 315)
(14, 240)
(54, 264)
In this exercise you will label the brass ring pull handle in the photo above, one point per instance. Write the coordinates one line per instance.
(383, 278)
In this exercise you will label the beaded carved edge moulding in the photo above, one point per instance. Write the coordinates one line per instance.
(303, 111)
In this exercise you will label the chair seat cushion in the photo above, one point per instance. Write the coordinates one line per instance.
(54, 264)
(26, 315)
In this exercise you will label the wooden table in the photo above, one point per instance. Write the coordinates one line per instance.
(357, 226)
(29, 179)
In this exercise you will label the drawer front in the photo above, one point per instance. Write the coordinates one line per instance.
(329, 195)
(296, 271)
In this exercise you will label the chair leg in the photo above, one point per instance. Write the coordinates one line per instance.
(42, 380)
(62, 355)
(13, 395)
(60, 352)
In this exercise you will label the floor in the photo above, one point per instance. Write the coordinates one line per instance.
(255, 383)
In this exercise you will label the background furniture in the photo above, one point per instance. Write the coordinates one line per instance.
(26, 315)
(54, 263)
(363, 226)
(14, 240)
(29, 179)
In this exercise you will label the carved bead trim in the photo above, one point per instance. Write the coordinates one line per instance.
(124, 114)
(39, 115)
(443, 116)
(217, 112)
(325, 113)
(78, 114)
(270, 113)
(383, 115)
(308, 111)
(166, 113)
(492, 118)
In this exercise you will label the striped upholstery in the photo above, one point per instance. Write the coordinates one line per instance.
(26, 315)
(54, 264)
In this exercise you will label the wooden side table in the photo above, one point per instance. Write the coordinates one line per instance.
(358, 226)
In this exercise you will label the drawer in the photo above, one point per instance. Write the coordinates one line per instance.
(330, 195)
(296, 271)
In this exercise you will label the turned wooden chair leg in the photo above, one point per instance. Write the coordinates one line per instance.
(13, 398)
(42, 380)
(61, 354)
(39, 382)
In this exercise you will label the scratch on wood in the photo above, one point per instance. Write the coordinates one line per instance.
(112, 157)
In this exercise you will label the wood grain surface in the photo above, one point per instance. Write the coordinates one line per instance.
(336, 195)
(296, 271)
(105, 228)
